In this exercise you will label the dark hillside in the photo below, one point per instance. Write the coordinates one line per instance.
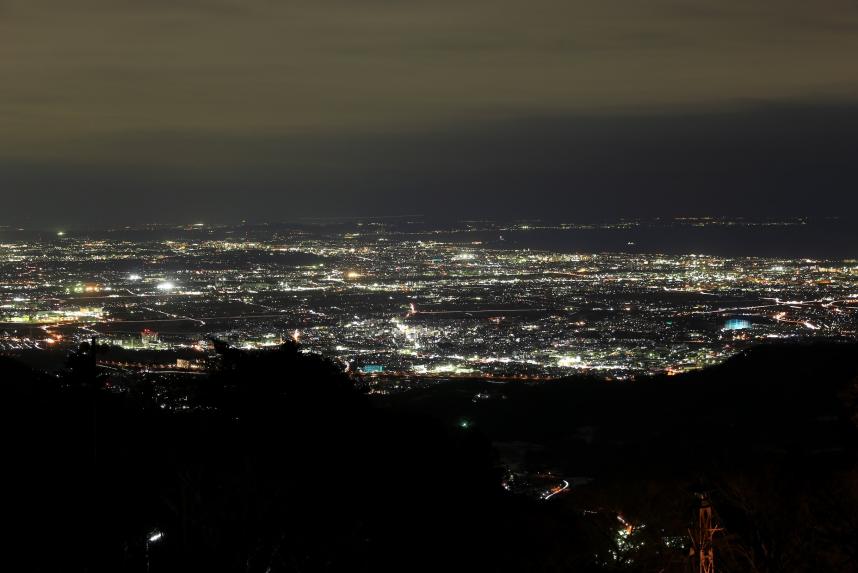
(772, 434)
(280, 463)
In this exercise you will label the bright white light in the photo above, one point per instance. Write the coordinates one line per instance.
(167, 285)
(134, 277)
(155, 536)
(569, 361)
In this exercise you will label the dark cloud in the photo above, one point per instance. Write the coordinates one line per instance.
(366, 103)
(764, 160)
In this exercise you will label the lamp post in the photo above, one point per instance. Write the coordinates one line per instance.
(153, 536)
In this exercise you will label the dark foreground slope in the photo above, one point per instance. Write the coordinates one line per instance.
(280, 464)
(771, 435)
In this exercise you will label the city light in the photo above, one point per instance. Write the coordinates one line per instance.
(431, 307)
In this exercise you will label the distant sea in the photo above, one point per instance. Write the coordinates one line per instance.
(832, 240)
(820, 239)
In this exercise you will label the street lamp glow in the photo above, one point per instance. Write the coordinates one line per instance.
(165, 286)
(134, 277)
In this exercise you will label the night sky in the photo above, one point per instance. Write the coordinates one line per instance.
(129, 111)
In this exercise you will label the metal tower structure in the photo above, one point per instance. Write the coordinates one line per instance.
(702, 535)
